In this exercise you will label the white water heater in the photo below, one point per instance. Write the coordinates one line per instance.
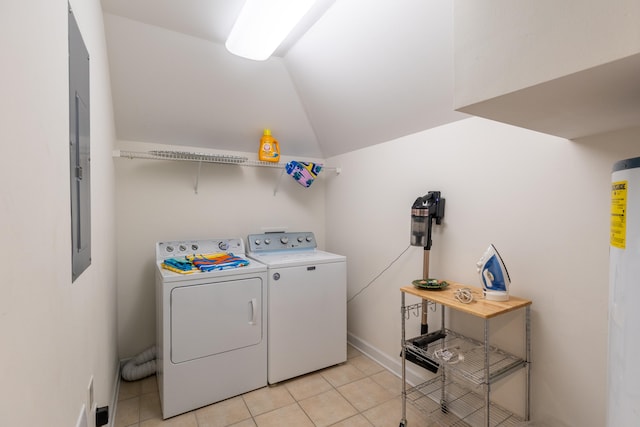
(623, 408)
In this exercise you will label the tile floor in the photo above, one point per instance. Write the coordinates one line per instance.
(356, 393)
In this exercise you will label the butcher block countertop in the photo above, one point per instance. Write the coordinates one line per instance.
(478, 307)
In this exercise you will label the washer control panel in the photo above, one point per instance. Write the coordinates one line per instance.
(281, 241)
(180, 248)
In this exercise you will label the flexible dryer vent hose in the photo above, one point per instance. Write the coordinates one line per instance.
(141, 366)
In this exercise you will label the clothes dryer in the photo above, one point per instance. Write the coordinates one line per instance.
(211, 327)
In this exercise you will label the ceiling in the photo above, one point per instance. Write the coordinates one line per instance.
(365, 73)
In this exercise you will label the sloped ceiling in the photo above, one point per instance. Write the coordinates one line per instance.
(365, 73)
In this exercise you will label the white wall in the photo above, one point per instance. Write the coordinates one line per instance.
(156, 202)
(503, 46)
(174, 88)
(54, 334)
(543, 201)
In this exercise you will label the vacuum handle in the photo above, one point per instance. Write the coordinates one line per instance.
(424, 324)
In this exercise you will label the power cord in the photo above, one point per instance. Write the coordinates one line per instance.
(464, 295)
(380, 274)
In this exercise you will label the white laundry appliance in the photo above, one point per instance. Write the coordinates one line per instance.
(211, 327)
(623, 408)
(307, 305)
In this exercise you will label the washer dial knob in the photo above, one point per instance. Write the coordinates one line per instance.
(284, 240)
(223, 246)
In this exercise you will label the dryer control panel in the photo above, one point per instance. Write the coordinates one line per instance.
(267, 242)
(178, 248)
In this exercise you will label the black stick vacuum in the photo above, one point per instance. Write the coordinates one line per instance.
(424, 210)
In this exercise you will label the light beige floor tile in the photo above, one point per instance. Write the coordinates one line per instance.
(128, 412)
(290, 415)
(365, 394)
(389, 381)
(390, 414)
(342, 374)
(223, 413)
(356, 421)
(352, 352)
(129, 389)
(267, 399)
(184, 420)
(327, 408)
(366, 365)
(149, 385)
(245, 423)
(362, 385)
(150, 406)
(307, 386)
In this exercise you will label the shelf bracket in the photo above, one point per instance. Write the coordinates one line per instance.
(198, 177)
(275, 190)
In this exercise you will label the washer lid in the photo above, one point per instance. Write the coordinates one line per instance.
(295, 258)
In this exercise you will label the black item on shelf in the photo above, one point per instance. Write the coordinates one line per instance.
(423, 342)
(414, 357)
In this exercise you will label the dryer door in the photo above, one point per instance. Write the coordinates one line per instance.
(216, 317)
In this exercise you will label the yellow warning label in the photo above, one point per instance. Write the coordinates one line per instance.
(619, 214)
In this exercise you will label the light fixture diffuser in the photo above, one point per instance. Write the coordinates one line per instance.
(263, 24)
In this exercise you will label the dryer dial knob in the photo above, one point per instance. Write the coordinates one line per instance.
(223, 246)
(276, 276)
(169, 249)
(284, 240)
(300, 239)
(309, 238)
(267, 241)
(194, 247)
(257, 241)
(182, 248)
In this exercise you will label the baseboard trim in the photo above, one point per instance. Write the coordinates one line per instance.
(392, 363)
(114, 397)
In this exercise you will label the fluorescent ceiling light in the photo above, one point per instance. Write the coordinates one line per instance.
(263, 25)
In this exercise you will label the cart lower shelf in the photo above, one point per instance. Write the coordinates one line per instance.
(461, 407)
(469, 360)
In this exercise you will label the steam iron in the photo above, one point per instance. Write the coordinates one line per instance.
(494, 275)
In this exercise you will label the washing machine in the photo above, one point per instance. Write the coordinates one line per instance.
(307, 303)
(211, 327)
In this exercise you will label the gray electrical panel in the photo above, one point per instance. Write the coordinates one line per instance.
(79, 138)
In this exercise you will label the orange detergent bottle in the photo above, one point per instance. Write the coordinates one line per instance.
(269, 150)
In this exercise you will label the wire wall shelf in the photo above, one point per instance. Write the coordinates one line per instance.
(181, 156)
(200, 158)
